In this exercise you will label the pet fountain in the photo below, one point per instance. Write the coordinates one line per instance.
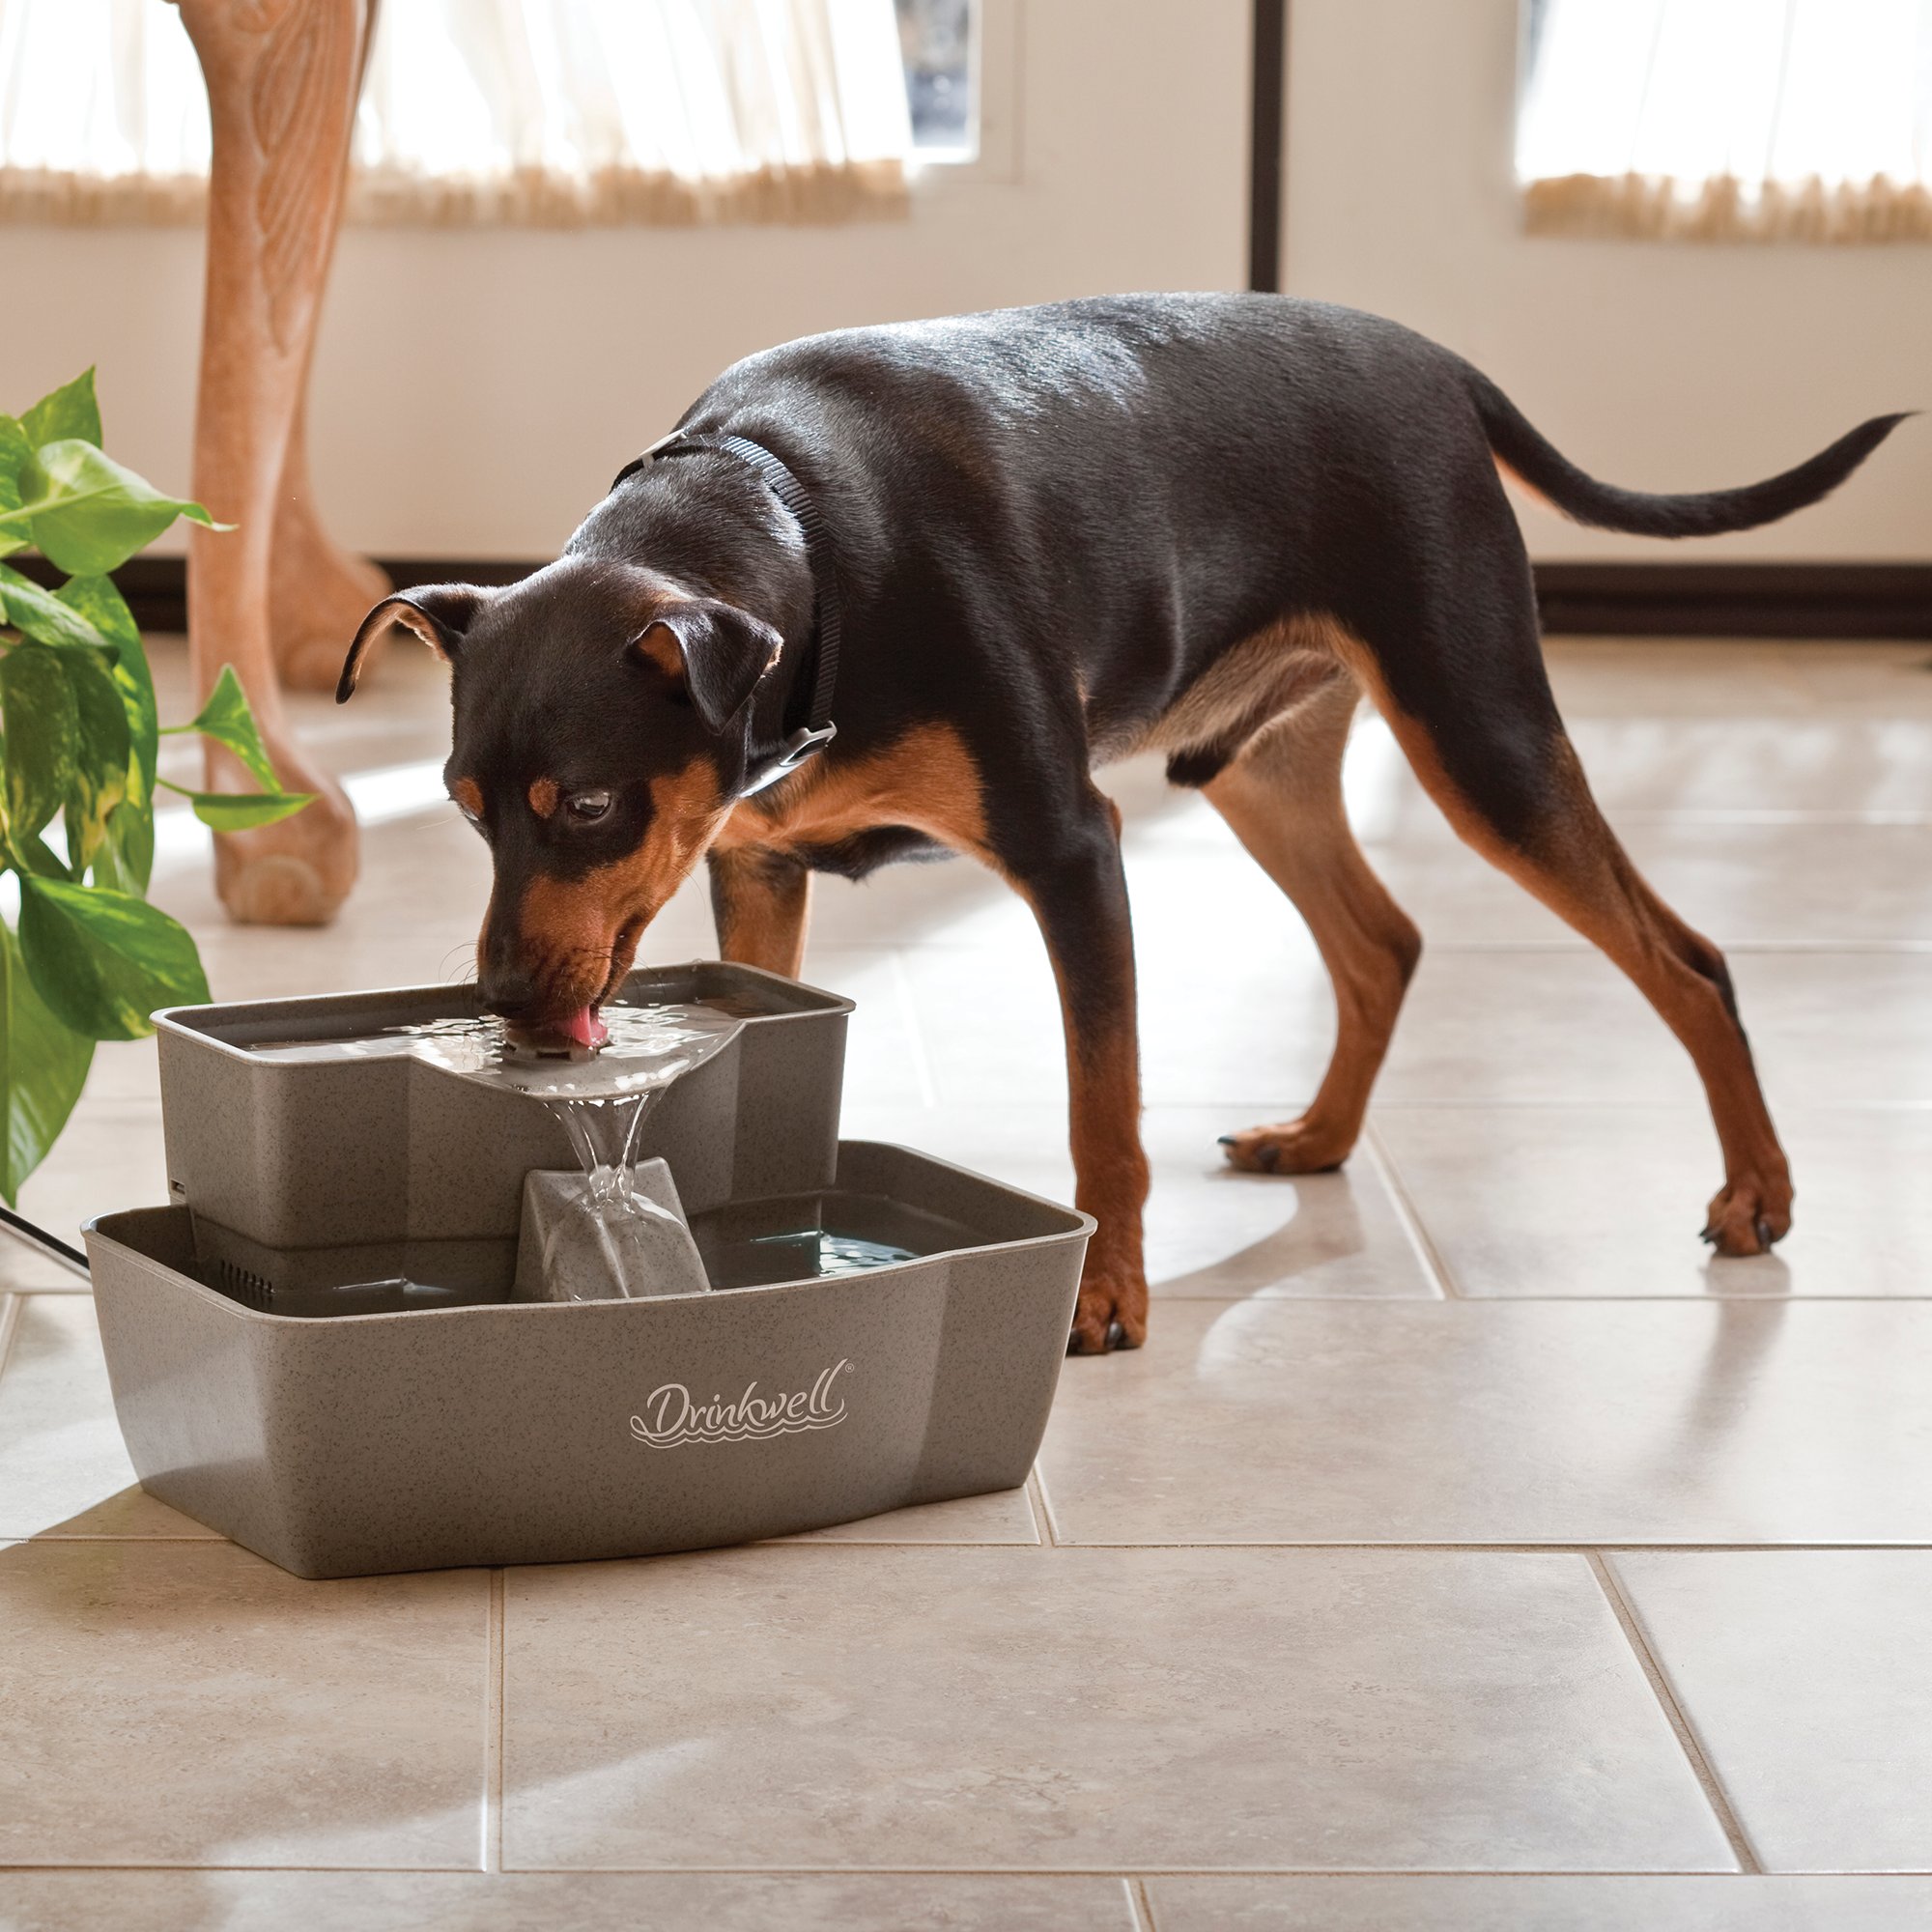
(353, 1342)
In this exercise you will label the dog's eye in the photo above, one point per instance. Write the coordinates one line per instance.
(588, 806)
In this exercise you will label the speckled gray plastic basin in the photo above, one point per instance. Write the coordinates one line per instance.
(548, 1431)
(297, 1154)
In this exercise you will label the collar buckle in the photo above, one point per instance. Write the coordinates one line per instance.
(802, 744)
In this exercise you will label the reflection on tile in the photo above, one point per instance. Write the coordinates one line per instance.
(1536, 1200)
(1828, 1028)
(1747, 884)
(545, 1902)
(63, 1468)
(1501, 1422)
(962, 1709)
(1809, 1677)
(186, 1703)
(1210, 1230)
(1003, 1517)
(1537, 1904)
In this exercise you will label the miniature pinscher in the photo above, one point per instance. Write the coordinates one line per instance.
(897, 589)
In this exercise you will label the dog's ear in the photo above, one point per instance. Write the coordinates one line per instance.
(438, 613)
(715, 650)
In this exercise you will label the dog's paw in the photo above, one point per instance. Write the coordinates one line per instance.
(1747, 1214)
(1293, 1147)
(1111, 1313)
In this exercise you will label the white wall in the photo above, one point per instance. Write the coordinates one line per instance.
(475, 391)
(1652, 364)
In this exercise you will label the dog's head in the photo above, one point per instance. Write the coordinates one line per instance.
(600, 730)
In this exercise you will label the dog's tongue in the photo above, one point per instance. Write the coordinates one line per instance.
(584, 1029)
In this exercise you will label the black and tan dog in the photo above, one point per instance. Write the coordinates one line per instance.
(1201, 524)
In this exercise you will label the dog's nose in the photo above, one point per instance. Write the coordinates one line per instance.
(507, 991)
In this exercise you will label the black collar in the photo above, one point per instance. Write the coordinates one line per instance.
(817, 730)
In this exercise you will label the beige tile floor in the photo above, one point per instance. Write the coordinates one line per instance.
(1467, 1548)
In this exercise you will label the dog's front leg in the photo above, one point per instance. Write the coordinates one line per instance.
(760, 902)
(1079, 895)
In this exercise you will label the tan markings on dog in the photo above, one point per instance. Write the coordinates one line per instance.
(582, 933)
(763, 905)
(1282, 797)
(1110, 1168)
(1251, 682)
(660, 644)
(926, 781)
(1529, 489)
(543, 797)
(469, 794)
(1573, 863)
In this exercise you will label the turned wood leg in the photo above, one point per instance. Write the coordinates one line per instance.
(281, 81)
(318, 591)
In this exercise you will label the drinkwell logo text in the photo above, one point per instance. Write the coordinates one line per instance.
(672, 1417)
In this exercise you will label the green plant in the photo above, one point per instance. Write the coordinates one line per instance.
(79, 736)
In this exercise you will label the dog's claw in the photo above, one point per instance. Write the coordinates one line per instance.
(1764, 1234)
(1227, 1140)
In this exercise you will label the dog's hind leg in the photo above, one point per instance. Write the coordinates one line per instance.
(1282, 797)
(1469, 702)
(761, 903)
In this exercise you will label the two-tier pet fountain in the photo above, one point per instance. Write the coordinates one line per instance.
(418, 1303)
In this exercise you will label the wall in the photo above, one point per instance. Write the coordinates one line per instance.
(1656, 365)
(475, 391)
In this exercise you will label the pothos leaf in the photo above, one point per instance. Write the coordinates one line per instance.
(238, 811)
(14, 450)
(71, 411)
(101, 759)
(97, 601)
(105, 960)
(85, 512)
(227, 719)
(42, 1067)
(43, 730)
(46, 616)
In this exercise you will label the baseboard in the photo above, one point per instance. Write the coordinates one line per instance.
(1675, 600)
(1737, 600)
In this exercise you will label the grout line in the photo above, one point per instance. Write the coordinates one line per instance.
(1044, 1504)
(10, 1322)
(1679, 1720)
(492, 1732)
(1139, 1904)
(1426, 1250)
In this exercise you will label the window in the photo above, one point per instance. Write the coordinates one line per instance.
(936, 45)
(1806, 119)
(549, 112)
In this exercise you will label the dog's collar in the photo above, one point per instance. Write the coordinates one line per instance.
(811, 737)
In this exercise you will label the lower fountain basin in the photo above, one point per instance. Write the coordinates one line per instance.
(553, 1432)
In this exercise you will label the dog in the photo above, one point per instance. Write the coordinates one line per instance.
(898, 590)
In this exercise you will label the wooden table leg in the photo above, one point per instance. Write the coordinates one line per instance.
(281, 81)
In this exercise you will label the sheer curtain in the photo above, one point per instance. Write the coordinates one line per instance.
(1806, 119)
(551, 112)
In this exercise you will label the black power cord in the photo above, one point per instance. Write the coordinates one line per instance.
(35, 1237)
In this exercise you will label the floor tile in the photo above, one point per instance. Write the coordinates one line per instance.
(1536, 1904)
(1512, 1422)
(186, 1703)
(1828, 1028)
(1210, 1230)
(63, 1468)
(110, 1155)
(1760, 885)
(1068, 1710)
(553, 1902)
(1003, 1517)
(1807, 1675)
(1602, 1200)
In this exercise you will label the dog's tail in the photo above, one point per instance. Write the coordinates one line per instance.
(1533, 459)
